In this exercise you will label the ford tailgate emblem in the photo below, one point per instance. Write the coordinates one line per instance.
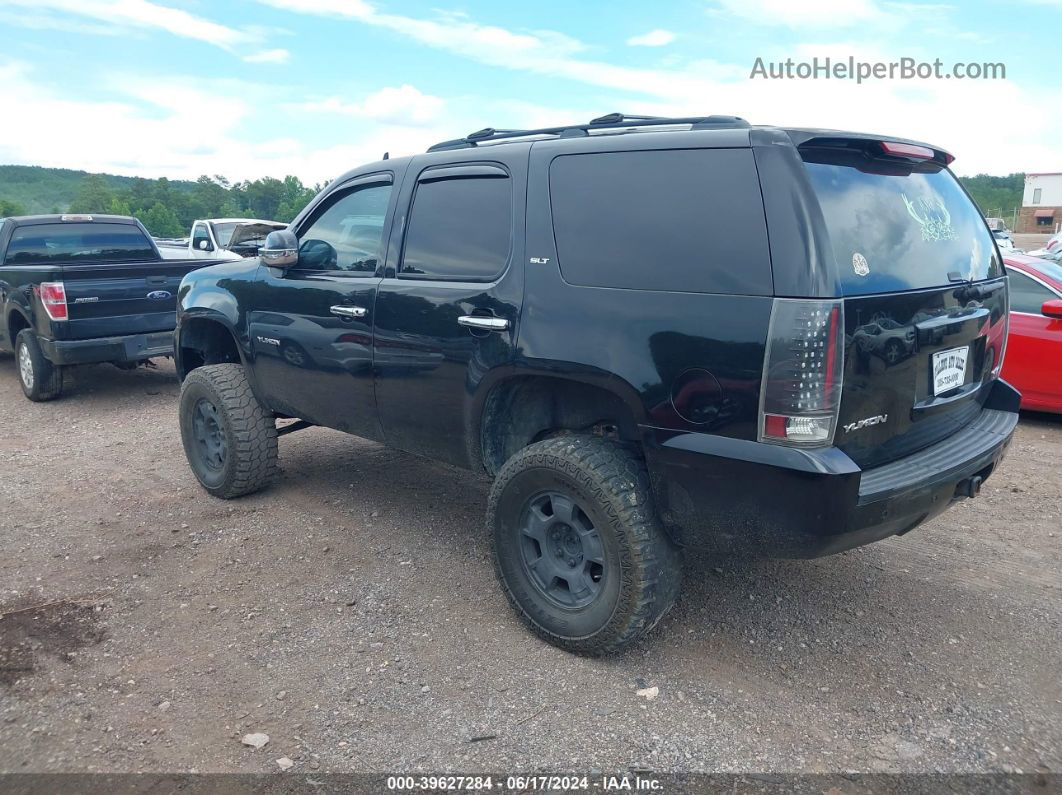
(159, 295)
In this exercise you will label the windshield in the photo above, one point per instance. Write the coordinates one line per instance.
(898, 227)
(223, 233)
(78, 242)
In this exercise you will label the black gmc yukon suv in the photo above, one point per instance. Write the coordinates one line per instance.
(651, 333)
(82, 289)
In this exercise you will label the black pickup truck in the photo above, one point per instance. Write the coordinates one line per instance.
(82, 289)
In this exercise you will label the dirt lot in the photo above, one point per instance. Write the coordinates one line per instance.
(1031, 242)
(350, 612)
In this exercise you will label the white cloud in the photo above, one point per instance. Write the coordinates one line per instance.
(539, 52)
(45, 20)
(154, 126)
(142, 14)
(450, 31)
(278, 56)
(933, 110)
(817, 14)
(654, 38)
(403, 106)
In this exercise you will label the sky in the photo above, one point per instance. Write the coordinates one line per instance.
(251, 88)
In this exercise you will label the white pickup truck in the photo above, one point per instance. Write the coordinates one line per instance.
(221, 238)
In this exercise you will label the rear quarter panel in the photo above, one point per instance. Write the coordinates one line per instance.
(652, 348)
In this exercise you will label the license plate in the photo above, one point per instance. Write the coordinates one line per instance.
(949, 369)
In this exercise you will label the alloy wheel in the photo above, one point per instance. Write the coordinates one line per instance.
(25, 366)
(209, 437)
(561, 550)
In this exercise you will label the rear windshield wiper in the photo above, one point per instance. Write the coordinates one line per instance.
(971, 291)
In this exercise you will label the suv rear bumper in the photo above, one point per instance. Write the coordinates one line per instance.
(732, 495)
(130, 348)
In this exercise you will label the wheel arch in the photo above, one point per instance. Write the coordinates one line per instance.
(206, 337)
(16, 320)
(548, 404)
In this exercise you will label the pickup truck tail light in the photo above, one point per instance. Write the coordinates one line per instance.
(802, 373)
(53, 298)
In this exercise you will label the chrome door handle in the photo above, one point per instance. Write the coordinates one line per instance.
(484, 323)
(349, 311)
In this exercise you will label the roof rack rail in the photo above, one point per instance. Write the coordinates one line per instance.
(608, 121)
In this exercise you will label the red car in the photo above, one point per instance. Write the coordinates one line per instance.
(1033, 363)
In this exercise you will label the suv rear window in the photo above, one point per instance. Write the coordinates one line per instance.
(683, 220)
(78, 242)
(896, 228)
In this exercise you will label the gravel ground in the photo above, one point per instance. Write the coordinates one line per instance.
(350, 613)
(1030, 242)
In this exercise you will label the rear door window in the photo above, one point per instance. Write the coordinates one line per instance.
(687, 220)
(460, 229)
(896, 228)
(78, 242)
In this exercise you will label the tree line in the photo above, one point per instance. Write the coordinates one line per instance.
(996, 196)
(168, 209)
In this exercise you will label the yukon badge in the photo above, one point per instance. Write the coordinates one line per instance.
(880, 419)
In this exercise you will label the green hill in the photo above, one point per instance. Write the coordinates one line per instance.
(166, 207)
(996, 196)
(42, 190)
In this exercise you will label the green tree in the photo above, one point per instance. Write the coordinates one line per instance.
(9, 208)
(211, 194)
(93, 196)
(233, 206)
(264, 196)
(161, 221)
(119, 207)
(141, 195)
(996, 195)
(286, 212)
(295, 197)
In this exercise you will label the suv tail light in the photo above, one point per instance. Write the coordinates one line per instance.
(802, 373)
(53, 297)
(997, 366)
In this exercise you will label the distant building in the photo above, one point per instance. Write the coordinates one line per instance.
(1041, 204)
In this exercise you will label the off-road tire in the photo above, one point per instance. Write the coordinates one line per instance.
(249, 431)
(46, 379)
(611, 486)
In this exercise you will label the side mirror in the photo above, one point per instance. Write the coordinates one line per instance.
(1052, 309)
(204, 245)
(281, 249)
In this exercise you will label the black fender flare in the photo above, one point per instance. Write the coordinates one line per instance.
(12, 310)
(211, 316)
(561, 372)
